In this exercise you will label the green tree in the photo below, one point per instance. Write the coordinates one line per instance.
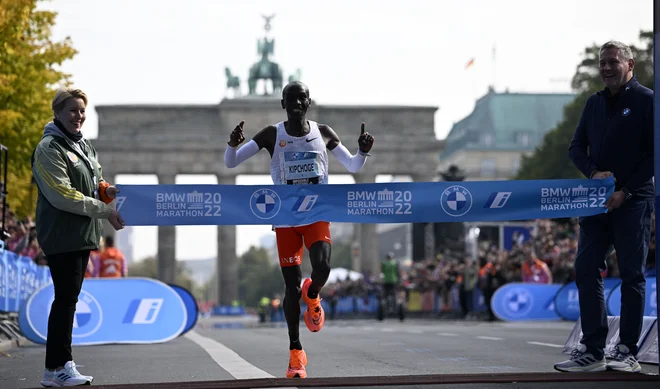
(148, 268)
(550, 159)
(29, 75)
(258, 276)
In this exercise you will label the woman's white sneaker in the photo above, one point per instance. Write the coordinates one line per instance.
(69, 376)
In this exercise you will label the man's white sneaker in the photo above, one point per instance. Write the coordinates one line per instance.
(68, 376)
(581, 360)
(622, 360)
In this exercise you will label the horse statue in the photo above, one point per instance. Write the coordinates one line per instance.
(233, 83)
(265, 69)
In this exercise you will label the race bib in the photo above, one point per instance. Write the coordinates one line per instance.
(301, 167)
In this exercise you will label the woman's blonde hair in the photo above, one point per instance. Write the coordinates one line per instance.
(64, 94)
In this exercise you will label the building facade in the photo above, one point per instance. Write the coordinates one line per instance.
(489, 143)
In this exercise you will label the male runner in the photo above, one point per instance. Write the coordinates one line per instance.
(297, 142)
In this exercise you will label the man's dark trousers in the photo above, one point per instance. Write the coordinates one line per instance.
(628, 228)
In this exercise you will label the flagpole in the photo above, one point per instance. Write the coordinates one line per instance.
(656, 79)
(493, 69)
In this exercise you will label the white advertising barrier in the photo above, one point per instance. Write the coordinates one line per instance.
(648, 353)
(648, 339)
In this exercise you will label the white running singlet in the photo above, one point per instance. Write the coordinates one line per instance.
(299, 160)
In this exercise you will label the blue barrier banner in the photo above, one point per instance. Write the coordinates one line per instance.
(192, 309)
(19, 278)
(478, 300)
(13, 282)
(399, 202)
(113, 310)
(27, 280)
(4, 306)
(613, 303)
(567, 301)
(226, 310)
(521, 301)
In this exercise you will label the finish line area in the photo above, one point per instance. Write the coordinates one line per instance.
(241, 353)
(163, 348)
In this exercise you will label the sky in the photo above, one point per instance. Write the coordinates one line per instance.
(349, 52)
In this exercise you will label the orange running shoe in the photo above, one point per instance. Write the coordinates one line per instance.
(297, 363)
(314, 315)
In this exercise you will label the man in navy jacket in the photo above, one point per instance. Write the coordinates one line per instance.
(614, 138)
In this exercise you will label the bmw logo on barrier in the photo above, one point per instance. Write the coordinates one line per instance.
(518, 302)
(265, 203)
(88, 317)
(456, 201)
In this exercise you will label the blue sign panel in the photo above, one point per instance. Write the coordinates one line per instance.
(651, 308)
(192, 310)
(114, 310)
(521, 301)
(567, 301)
(514, 234)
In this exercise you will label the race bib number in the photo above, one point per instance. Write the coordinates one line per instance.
(301, 167)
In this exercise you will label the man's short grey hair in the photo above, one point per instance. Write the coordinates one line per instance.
(624, 49)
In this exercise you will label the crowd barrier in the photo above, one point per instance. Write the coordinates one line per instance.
(510, 302)
(567, 301)
(192, 308)
(120, 310)
(20, 277)
(424, 302)
(227, 310)
(523, 302)
(647, 344)
(128, 310)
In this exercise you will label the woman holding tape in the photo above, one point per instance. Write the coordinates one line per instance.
(72, 200)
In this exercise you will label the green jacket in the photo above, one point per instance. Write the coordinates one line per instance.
(67, 173)
(390, 269)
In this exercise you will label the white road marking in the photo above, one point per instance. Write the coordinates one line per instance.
(388, 344)
(446, 334)
(414, 331)
(546, 344)
(227, 359)
(387, 329)
(489, 338)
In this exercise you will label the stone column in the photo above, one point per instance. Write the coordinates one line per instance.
(167, 241)
(227, 262)
(368, 236)
(429, 228)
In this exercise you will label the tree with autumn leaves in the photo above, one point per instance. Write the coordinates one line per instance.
(30, 74)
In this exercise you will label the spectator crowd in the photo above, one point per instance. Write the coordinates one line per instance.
(547, 257)
(20, 236)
